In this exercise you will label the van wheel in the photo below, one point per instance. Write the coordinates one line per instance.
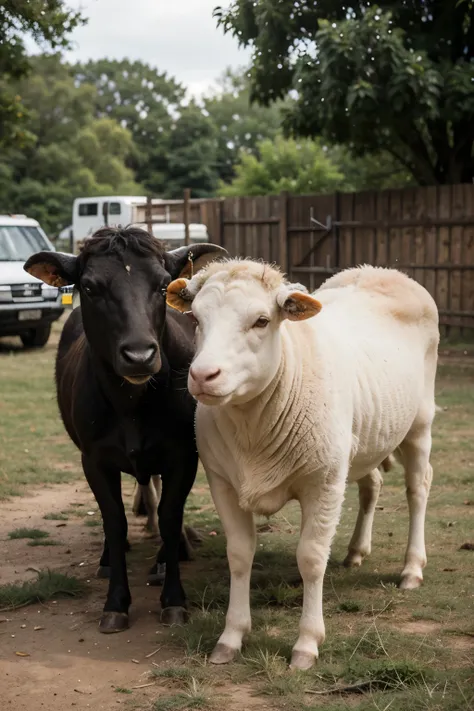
(36, 337)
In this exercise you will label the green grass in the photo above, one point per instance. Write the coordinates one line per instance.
(35, 448)
(384, 648)
(55, 517)
(194, 696)
(34, 533)
(44, 542)
(47, 586)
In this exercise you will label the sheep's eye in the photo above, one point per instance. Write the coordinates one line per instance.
(261, 322)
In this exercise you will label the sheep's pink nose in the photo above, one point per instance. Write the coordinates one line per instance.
(204, 375)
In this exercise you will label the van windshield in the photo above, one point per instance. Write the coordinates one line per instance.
(18, 243)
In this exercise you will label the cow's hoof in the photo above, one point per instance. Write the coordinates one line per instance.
(157, 574)
(410, 582)
(111, 622)
(103, 571)
(222, 654)
(174, 616)
(302, 660)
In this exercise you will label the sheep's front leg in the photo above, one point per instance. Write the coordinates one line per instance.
(239, 529)
(320, 509)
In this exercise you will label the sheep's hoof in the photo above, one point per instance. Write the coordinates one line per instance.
(222, 654)
(113, 622)
(157, 574)
(103, 571)
(353, 560)
(410, 582)
(174, 616)
(302, 660)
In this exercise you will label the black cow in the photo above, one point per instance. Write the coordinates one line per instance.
(121, 373)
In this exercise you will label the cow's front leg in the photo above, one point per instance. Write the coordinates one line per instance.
(106, 487)
(239, 529)
(320, 509)
(177, 482)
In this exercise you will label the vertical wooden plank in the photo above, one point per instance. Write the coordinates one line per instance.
(442, 287)
(382, 207)
(457, 210)
(467, 300)
(187, 197)
(148, 215)
(345, 233)
(408, 233)
(394, 241)
(418, 253)
(431, 239)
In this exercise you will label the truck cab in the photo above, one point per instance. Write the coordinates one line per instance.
(28, 307)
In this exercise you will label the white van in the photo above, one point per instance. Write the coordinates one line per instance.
(27, 306)
(91, 213)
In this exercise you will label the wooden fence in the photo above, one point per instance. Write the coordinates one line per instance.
(426, 232)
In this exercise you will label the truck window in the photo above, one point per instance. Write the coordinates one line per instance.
(88, 209)
(114, 208)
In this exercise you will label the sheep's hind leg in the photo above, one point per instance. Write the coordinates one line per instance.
(361, 541)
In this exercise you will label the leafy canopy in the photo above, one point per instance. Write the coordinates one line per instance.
(296, 166)
(49, 23)
(388, 75)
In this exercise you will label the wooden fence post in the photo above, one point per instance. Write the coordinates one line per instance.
(148, 215)
(187, 196)
(283, 232)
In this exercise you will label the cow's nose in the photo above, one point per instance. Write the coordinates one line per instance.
(204, 375)
(143, 355)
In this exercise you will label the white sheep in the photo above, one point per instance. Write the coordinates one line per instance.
(291, 408)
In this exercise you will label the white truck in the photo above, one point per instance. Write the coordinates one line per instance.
(91, 213)
(27, 306)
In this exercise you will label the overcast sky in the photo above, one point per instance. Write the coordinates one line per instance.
(177, 36)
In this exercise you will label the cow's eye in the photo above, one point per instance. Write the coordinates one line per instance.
(89, 289)
(261, 322)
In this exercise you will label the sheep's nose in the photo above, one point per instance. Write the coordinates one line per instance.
(204, 375)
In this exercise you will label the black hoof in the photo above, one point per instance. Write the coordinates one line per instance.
(157, 574)
(103, 571)
(113, 622)
(174, 616)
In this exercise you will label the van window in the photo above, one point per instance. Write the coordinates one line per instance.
(114, 208)
(88, 209)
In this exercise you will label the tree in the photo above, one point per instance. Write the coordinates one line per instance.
(143, 100)
(48, 22)
(374, 76)
(297, 166)
(240, 124)
(71, 152)
(192, 155)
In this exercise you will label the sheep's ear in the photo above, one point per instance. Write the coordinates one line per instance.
(297, 305)
(178, 295)
(54, 268)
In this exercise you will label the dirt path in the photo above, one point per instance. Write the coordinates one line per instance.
(63, 669)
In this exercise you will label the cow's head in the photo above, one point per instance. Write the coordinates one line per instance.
(122, 276)
(239, 307)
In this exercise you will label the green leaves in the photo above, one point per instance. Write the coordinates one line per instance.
(373, 75)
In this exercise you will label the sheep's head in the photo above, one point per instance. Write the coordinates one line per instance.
(239, 306)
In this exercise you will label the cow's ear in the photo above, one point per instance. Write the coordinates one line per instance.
(297, 305)
(184, 262)
(54, 268)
